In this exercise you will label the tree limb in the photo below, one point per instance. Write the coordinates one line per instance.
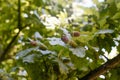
(2, 57)
(19, 15)
(8, 47)
(102, 69)
(20, 27)
(14, 38)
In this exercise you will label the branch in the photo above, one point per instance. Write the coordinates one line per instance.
(102, 69)
(19, 15)
(2, 57)
(8, 47)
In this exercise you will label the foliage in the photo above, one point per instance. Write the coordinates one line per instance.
(56, 44)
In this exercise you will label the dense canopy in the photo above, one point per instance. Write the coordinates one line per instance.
(59, 39)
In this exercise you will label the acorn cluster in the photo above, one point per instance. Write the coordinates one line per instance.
(72, 43)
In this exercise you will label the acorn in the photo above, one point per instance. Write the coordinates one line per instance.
(65, 39)
(43, 47)
(33, 43)
(65, 61)
(75, 34)
(73, 44)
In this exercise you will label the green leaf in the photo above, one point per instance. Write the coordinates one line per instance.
(56, 41)
(87, 27)
(118, 47)
(25, 52)
(29, 59)
(105, 31)
(79, 63)
(61, 50)
(114, 75)
(63, 68)
(44, 52)
(85, 37)
(96, 1)
(118, 5)
(102, 22)
(112, 7)
(116, 16)
(37, 35)
(79, 51)
(110, 1)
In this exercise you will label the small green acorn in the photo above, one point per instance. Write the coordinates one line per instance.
(43, 47)
(73, 44)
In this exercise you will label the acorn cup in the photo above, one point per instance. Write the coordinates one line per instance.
(33, 43)
(41, 45)
(75, 33)
(72, 43)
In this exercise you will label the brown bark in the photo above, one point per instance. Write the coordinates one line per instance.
(92, 75)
